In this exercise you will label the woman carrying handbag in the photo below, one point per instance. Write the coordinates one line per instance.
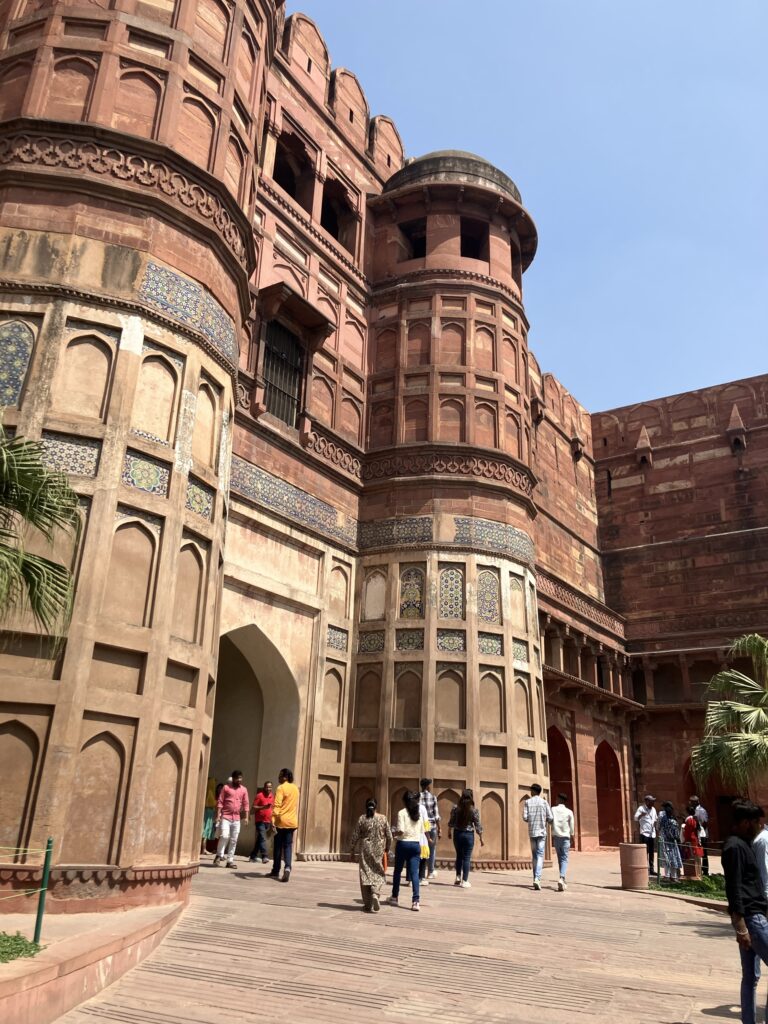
(412, 822)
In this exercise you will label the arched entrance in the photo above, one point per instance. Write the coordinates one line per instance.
(256, 714)
(560, 770)
(610, 823)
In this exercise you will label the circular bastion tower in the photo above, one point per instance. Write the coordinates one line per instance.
(129, 137)
(448, 672)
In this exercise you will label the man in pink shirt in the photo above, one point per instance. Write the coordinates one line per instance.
(231, 809)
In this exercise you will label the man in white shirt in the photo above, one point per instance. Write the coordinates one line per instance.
(562, 836)
(646, 817)
(537, 813)
(760, 850)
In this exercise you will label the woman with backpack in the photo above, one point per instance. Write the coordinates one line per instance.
(371, 841)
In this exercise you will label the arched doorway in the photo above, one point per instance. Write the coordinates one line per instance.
(610, 823)
(560, 770)
(256, 714)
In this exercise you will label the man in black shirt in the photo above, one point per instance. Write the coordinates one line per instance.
(746, 900)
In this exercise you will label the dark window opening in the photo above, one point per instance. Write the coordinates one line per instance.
(283, 370)
(309, 64)
(737, 444)
(337, 216)
(351, 116)
(605, 442)
(413, 239)
(609, 481)
(389, 160)
(601, 680)
(293, 170)
(644, 460)
(474, 239)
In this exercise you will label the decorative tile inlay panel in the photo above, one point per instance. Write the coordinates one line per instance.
(150, 437)
(409, 640)
(490, 643)
(186, 301)
(69, 454)
(451, 640)
(337, 638)
(483, 533)
(16, 341)
(155, 523)
(147, 474)
(519, 650)
(489, 597)
(387, 532)
(265, 489)
(371, 642)
(224, 454)
(199, 498)
(185, 430)
(411, 593)
(451, 593)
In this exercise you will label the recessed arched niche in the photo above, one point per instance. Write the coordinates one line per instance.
(374, 596)
(206, 420)
(332, 695)
(523, 708)
(82, 383)
(154, 407)
(129, 588)
(407, 709)
(93, 838)
(367, 698)
(162, 817)
(189, 597)
(491, 703)
(450, 700)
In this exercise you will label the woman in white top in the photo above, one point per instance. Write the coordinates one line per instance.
(412, 822)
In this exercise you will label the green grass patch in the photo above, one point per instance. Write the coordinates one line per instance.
(712, 887)
(12, 947)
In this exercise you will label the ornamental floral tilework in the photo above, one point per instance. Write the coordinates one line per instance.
(16, 341)
(147, 474)
(519, 650)
(451, 593)
(451, 640)
(68, 454)
(412, 593)
(405, 530)
(199, 499)
(337, 638)
(371, 642)
(489, 597)
(490, 643)
(409, 640)
(484, 533)
(188, 302)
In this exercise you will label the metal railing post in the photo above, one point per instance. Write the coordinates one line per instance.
(43, 890)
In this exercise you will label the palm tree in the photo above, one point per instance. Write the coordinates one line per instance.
(734, 748)
(33, 498)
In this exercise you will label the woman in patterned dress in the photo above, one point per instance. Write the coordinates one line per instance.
(669, 843)
(371, 840)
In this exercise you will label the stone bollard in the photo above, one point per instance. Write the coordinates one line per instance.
(633, 858)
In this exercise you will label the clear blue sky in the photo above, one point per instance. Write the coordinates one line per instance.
(638, 136)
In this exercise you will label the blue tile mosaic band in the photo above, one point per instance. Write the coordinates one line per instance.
(519, 650)
(387, 532)
(187, 302)
(409, 640)
(451, 603)
(69, 454)
(452, 640)
(411, 593)
(16, 341)
(489, 597)
(484, 533)
(298, 506)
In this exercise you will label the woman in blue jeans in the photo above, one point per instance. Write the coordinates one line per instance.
(464, 823)
(411, 824)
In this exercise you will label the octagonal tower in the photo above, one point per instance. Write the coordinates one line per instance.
(129, 137)
(448, 672)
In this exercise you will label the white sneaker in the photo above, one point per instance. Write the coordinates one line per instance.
(561, 886)
(537, 884)
(458, 880)
(432, 875)
(466, 885)
(423, 881)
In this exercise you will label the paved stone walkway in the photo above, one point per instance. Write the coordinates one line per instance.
(249, 948)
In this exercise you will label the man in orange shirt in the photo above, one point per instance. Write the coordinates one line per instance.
(285, 820)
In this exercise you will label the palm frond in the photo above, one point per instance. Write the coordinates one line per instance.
(39, 585)
(754, 647)
(31, 492)
(731, 682)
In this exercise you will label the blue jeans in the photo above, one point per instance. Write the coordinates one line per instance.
(750, 965)
(260, 849)
(562, 848)
(283, 850)
(426, 867)
(410, 854)
(537, 853)
(464, 841)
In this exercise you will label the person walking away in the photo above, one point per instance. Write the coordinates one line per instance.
(692, 850)
(760, 850)
(464, 822)
(428, 799)
(747, 902)
(537, 813)
(703, 819)
(231, 811)
(209, 815)
(563, 831)
(647, 820)
(669, 843)
(411, 823)
(261, 810)
(285, 821)
(371, 842)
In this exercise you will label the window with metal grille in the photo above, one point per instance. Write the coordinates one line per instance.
(283, 367)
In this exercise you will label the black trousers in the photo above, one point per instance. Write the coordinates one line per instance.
(650, 844)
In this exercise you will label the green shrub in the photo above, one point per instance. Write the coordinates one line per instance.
(14, 946)
(710, 887)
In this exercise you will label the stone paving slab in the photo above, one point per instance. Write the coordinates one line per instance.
(250, 948)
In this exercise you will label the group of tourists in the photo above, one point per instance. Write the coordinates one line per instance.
(676, 845)
(275, 814)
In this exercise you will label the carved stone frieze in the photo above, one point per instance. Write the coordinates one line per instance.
(591, 610)
(334, 451)
(452, 464)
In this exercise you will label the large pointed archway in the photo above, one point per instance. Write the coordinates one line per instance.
(610, 824)
(256, 713)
